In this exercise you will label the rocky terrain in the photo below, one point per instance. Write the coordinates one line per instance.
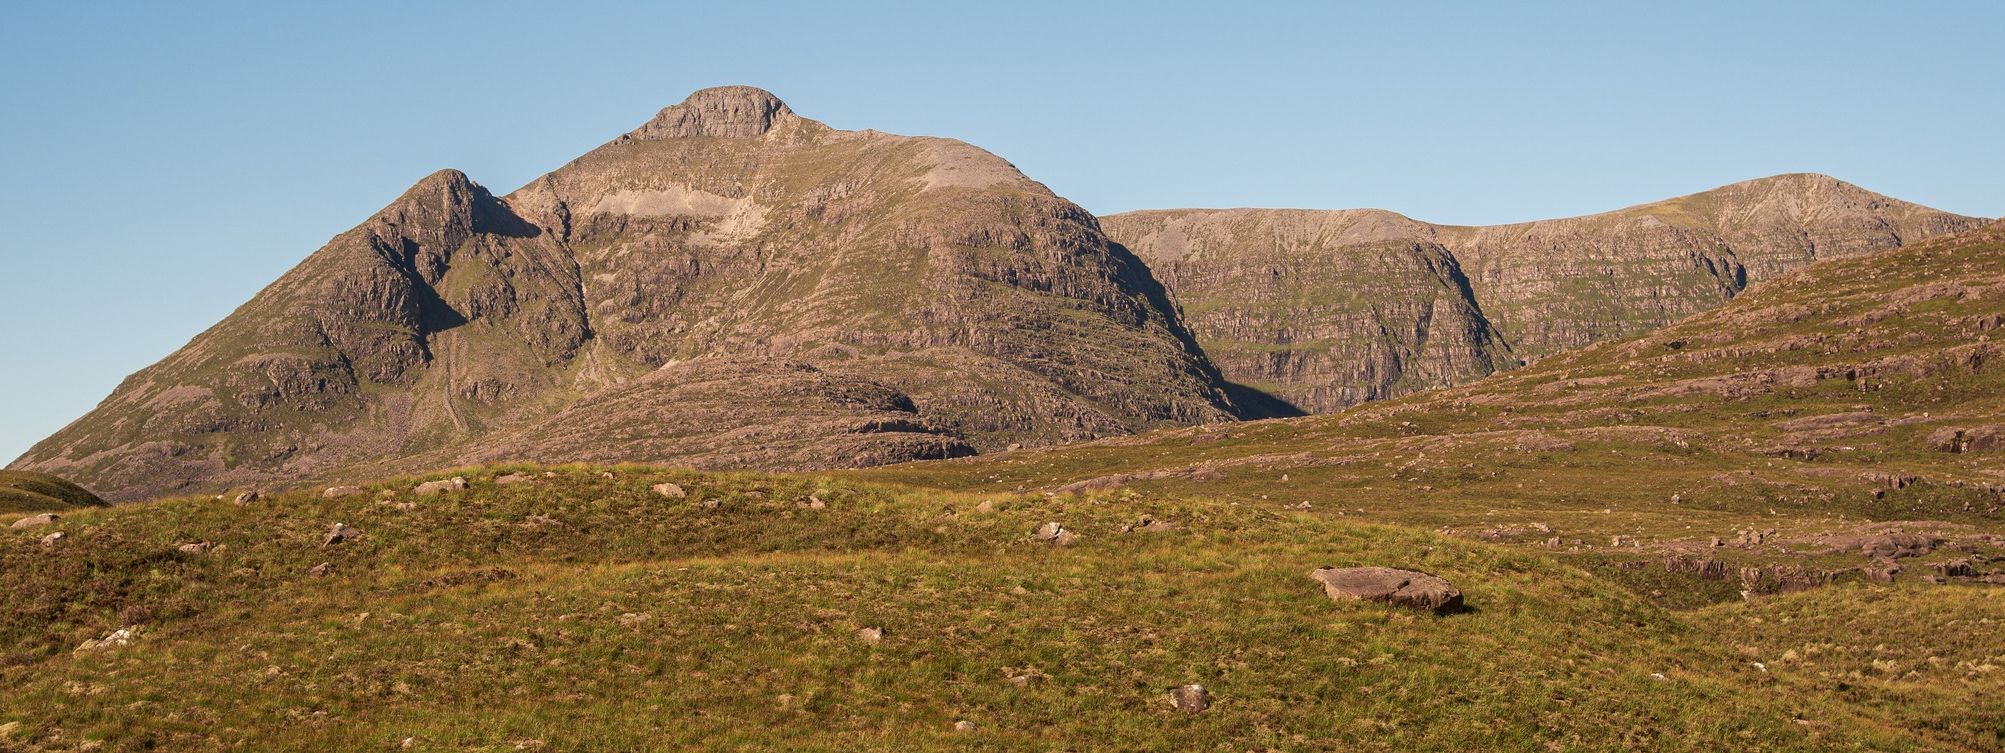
(911, 297)
(1325, 309)
(1778, 525)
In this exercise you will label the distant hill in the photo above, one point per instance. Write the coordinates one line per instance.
(28, 491)
(1326, 309)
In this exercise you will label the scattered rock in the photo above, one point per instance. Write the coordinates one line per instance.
(1190, 699)
(1956, 569)
(321, 570)
(513, 478)
(1148, 524)
(337, 492)
(53, 539)
(341, 533)
(249, 497)
(870, 635)
(1406, 588)
(198, 547)
(1897, 545)
(440, 486)
(671, 491)
(115, 639)
(34, 521)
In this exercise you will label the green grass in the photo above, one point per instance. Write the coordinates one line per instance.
(32, 492)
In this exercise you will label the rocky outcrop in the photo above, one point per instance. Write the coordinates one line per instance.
(1403, 588)
(1325, 309)
(940, 301)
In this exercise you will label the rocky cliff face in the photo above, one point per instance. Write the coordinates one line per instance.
(1326, 309)
(729, 285)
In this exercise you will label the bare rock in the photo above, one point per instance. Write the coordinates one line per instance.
(1190, 699)
(870, 635)
(440, 486)
(1962, 568)
(1048, 532)
(337, 492)
(36, 521)
(1897, 545)
(115, 639)
(670, 490)
(1882, 570)
(340, 533)
(1406, 588)
(813, 503)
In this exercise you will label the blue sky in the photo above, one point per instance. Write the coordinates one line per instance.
(164, 161)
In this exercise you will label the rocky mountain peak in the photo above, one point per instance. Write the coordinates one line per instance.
(732, 112)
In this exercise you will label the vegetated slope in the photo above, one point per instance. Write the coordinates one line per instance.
(580, 611)
(1822, 427)
(1327, 309)
(725, 227)
(28, 491)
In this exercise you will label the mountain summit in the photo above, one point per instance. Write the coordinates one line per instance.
(728, 285)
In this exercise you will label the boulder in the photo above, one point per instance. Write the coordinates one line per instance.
(1896, 545)
(115, 639)
(36, 521)
(671, 491)
(440, 486)
(1406, 588)
(337, 492)
(341, 533)
(1190, 699)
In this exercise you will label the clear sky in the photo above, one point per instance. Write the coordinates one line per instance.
(164, 161)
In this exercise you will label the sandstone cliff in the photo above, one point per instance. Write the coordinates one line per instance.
(728, 285)
(1326, 309)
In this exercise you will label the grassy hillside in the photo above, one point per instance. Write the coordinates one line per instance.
(579, 612)
(32, 492)
(1665, 544)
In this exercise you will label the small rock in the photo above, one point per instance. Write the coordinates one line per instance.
(199, 547)
(1148, 524)
(986, 506)
(813, 503)
(711, 504)
(1025, 677)
(632, 619)
(1883, 570)
(1407, 588)
(8, 729)
(964, 726)
(870, 635)
(605, 474)
(1013, 447)
(1190, 699)
(341, 533)
(53, 539)
(1956, 569)
(1553, 543)
(671, 491)
(407, 743)
(321, 570)
(337, 492)
(117, 638)
(1048, 532)
(440, 486)
(34, 521)
(512, 478)
(249, 497)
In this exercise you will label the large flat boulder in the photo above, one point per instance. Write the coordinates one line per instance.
(1405, 588)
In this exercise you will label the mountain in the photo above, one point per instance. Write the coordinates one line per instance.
(1778, 525)
(865, 297)
(1325, 309)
